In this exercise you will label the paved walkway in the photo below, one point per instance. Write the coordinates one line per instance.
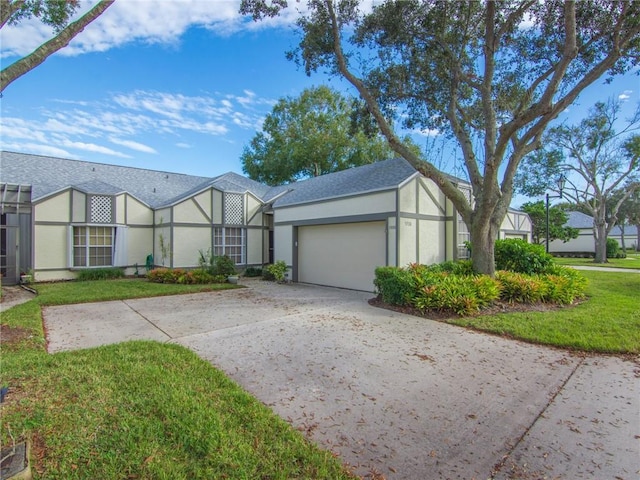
(392, 394)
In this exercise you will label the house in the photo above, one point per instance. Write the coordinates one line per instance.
(585, 243)
(59, 216)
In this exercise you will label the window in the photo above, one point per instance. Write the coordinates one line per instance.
(229, 241)
(92, 246)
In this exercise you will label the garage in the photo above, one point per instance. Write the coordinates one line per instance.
(341, 255)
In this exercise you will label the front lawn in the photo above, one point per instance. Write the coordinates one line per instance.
(608, 322)
(632, 261)
(142, 410)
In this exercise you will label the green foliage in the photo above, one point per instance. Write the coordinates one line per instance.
(100, 273)
(520, 288)
(449, 287)
(216, 265)
(183, 277)
(613, 248)
(394, 285)
(557, 220)
(252, 272)
(519, 256)
(559, 285)
(316, 133)
(275, 271)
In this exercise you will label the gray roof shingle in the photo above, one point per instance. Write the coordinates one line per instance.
(579, 220)
(48, 175)
(375, 176)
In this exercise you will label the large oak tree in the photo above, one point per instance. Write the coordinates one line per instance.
(54, 13)
(492, 75)
(318, 132)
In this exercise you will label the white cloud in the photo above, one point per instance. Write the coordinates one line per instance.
(626, 95)
(37, 149)
(134, 120)
(147, 21)
(139, 147)
(91, 147)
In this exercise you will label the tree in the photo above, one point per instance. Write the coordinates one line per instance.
(54, 13)
(628, 214)
(316, 133)
(557, 220)
(473, 70)
(597, 161)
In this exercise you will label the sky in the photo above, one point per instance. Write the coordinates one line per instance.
(173, 85)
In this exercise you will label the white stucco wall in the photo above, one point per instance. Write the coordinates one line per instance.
(187, 241)
(283, 240)
(584, 243)
(254, 246)
(374, 203)
(54, 209)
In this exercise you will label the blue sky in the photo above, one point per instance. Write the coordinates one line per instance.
(180, 86)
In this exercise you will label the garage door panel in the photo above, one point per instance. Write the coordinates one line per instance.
(341, 255)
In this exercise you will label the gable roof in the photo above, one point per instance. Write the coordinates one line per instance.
(579, 220)
(48, 175)
(373, 177)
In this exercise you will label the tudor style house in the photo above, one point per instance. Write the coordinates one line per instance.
(59, 216)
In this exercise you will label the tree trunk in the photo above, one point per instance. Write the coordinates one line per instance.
(483, 239)
(622, 245)
(638, 237)
(600, 234)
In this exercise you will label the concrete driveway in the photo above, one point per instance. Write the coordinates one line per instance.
(394, 395)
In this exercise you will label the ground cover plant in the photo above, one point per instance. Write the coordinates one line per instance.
(143, 410)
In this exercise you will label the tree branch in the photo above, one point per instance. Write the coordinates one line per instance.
(61, 40)
(448, 188)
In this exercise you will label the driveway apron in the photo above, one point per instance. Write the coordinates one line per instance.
(393, 395)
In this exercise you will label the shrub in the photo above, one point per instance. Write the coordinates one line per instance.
(252, 272)
(613, 248)
(520, 288)
(395, 285)
(458, 267)
(276, 271)
(100, 273)
(216, 265)
(564, 285)
(184, 277)
(516, 255)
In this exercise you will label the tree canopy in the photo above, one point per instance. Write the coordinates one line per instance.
(54, 13)
(492, 75)
(602, 166)
(557, 220)
(319, 132)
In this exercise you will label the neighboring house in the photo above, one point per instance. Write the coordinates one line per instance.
(585, 243)
(59, 216)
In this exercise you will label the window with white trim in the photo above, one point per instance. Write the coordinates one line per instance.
(229, 241)
(93, 246)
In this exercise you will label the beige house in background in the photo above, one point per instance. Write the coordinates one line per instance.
(59, 216)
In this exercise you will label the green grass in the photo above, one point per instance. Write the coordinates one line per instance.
(143, 410)
(62, 293)
(632, 261)
(607, 322)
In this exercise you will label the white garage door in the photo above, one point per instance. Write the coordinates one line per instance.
(341, 255)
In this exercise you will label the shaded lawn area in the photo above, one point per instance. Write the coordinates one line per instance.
(142, 409)
(608, 322)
